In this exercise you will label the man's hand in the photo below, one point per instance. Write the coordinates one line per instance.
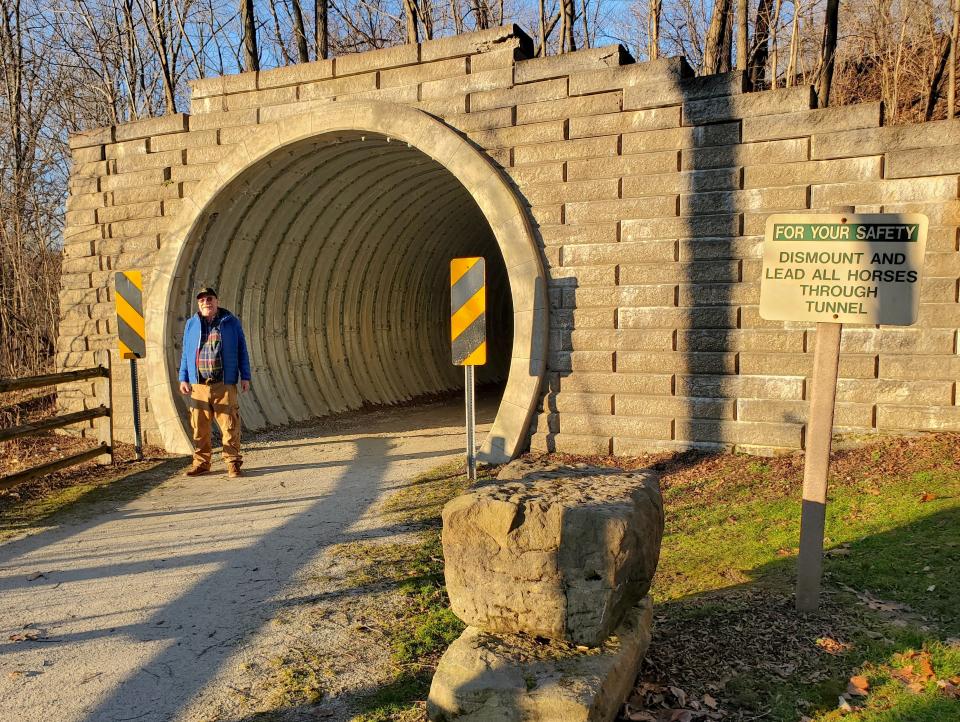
(244, 385)
(185, 388)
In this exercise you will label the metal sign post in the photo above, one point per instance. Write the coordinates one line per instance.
(833, 269)
(468, 335)
(131, 333)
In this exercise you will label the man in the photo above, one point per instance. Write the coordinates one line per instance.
(214, 359)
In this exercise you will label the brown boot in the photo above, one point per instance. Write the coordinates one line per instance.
(197, 470)
(233, 470)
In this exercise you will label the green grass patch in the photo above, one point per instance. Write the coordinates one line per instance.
(723, 591)
(83, 500)
(423, 626)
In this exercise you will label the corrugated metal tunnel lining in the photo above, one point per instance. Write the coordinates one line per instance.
(335, 254)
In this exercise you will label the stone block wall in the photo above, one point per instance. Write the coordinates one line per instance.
(648, 190)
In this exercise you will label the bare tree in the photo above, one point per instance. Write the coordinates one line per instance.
(759, 50)
(952, 75)
(743, 51)
(248, 21)
(653, 42)
(829, 53)
(321, 29)
(717, 46)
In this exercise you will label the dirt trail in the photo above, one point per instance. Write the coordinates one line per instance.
(143, 611)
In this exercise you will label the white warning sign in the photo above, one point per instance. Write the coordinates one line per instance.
(843, 268)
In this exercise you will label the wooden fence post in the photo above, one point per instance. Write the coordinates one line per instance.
(105, 397)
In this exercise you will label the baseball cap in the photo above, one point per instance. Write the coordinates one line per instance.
(206, 291)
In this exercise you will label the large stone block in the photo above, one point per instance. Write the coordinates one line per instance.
(491, 678)
(558, 552)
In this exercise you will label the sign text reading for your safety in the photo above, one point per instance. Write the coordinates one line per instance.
(844, 269)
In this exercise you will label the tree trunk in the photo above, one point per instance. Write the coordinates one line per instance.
(160, 41)
(426, 17)
(759, 51)
(457, 18)
(952, 75)
(774, 48)
(482, 12)
(656, 7)
(568, 41)
(249, 22)
(542, 50)
(829, 52)
(586, 28)
(300, 31)
(410, 13)
(937, 79)
(322, 40)
(743, 52)
(713, 57)
(794, 46)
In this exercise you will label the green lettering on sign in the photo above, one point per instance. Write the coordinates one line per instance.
(846, 232)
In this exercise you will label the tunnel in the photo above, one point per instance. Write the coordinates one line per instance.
(333, 249)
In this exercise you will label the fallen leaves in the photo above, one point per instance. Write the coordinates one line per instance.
(832, 646)
(653, 702)
(858, 686)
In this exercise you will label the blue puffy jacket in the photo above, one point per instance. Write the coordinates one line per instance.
(236, 362)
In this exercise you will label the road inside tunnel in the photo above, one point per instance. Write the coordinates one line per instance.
(335, 255)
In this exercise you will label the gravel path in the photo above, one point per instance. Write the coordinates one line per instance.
(142, 610)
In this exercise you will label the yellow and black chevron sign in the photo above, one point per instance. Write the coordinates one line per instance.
(468, 306)
(130, 325)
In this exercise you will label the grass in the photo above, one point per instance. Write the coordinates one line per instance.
(81, 497)
(892, 581)
(421, 626)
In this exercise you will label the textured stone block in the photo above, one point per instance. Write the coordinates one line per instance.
(472, 83)
(93, 136)
(725, 156)
(786, 435)
(676, 362)
(520, 94)
(680, 138)
(808, 122)
(783, 198)
(295, 74)
(176, 123)
(624, 166)
(686, 182)
(873, 141)
(478, 42)
(553, 551)
(908, 418)
(661, 384)
(622, 209)
(568, 149)
(519, 135)
(610, 56)
(593, 254)
(500, 678)
(676, 407)
(602, 233)
(625, 122)
(773, 102)
(815, 171)
(577, 107)
(570, 443)
(597, 81)
(623, 339)
(914, 163)
(886, 191)
(653, 94)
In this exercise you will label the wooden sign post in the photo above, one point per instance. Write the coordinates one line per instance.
(131, 337)
(468, 335)
(834, 269)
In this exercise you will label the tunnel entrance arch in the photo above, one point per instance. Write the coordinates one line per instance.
(403, 192)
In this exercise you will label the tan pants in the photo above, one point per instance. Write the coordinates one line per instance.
(209, 402)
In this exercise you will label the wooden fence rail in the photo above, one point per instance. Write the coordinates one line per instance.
(103, 414)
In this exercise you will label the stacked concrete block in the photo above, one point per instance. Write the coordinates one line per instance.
(648, 190)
